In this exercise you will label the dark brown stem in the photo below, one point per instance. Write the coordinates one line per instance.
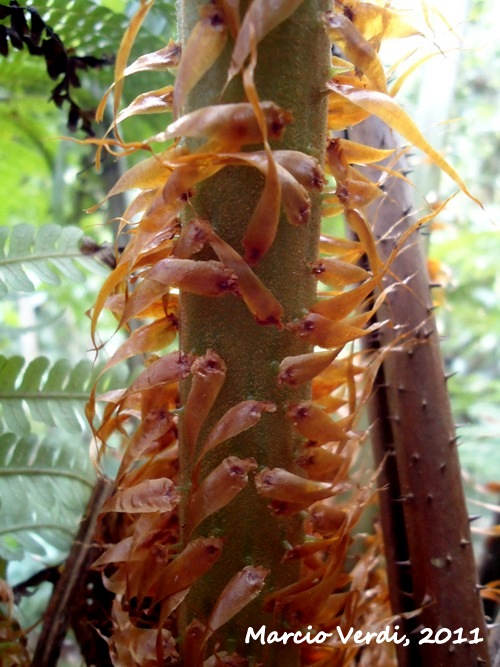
(417, 428)
(69, 601)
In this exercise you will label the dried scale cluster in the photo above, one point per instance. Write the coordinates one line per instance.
(279, 444)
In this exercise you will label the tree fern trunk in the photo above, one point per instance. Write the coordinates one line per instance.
(292, 68)
(415, 434)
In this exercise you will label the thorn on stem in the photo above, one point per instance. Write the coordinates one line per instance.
(404, 499)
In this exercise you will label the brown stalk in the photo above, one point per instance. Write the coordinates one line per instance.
(76, 586)
(426, 527)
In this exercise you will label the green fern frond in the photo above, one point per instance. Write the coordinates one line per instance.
(47, 252)
(54, 395)
(76, 25)
(43, 493)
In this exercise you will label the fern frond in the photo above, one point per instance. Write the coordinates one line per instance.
(47, 252)
(52, 394)
(43, 492)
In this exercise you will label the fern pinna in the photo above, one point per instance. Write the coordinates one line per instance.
(235, 490)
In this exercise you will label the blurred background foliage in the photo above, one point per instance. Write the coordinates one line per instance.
(44, 180)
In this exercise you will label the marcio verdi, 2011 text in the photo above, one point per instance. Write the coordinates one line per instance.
(388, 634)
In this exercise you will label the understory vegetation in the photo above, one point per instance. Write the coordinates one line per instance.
(232, 367)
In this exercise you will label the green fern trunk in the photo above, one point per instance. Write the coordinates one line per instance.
(292, 68)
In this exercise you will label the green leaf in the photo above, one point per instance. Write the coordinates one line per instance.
(46, 252)
(96, 27)
(54, 395)
(43, 493)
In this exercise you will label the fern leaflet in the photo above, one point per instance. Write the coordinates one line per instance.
(52, 394)
(46, 252)
(43, 492)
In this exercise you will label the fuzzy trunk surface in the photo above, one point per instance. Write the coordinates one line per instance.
(292, 68)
